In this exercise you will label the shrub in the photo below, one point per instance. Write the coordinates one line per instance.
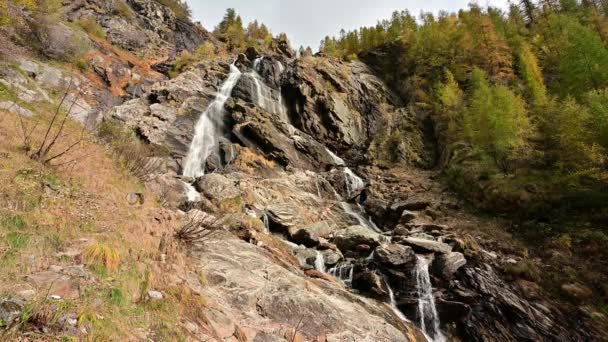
(90, 25)
(122, 9)
(98, 254)
(180, 8)
(130, 152)
(205, 51)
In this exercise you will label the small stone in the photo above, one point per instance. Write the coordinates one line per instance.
(135, 198)
(55, 297)
(155, 295)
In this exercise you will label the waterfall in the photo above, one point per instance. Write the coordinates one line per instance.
(265, 98)
(191, 193)
(320, 262)
(354, 183)
(344, 272)
(427, 311)
(362, 221)
(393, 302)
(337, 160)
(266, 223)
(209, 128)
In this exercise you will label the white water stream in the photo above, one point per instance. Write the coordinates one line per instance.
(320, 262)
(265, 96)
(427, 311)
(344, 272)
(209, 128)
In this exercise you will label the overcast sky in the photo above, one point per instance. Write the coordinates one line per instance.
(306, 22)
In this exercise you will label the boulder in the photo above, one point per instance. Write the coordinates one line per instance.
(407, 216)
(283, 214)
(425, 246)
(577, 291)
(352, 237)
(394, 255)
(413, 203)
(332, 257)
(10, 310)
(309, 235)
(217, 187)
(446, 265)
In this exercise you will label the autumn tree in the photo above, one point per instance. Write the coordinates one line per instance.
(495, 122)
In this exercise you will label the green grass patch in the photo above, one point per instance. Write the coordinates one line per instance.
(17, 241)
(16, 222)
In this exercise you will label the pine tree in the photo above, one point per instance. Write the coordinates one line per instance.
(531, 76)
(597, 102)
(496, 122)
(580, 56)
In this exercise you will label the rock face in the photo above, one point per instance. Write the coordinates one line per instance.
(260, 291)
(307, 108)
(151, 28)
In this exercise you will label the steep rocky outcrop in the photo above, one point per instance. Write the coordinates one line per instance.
(305, 245)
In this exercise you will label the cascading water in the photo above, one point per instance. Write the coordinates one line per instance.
(320, 262)
(353, 183)
(344, 272)
(209, 128)
(266, 224)
(427, 311)
(265, 97)
(191, 193)
(393, 302)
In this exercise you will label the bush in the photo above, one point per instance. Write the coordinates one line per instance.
(131, 153)
(180, 8)
(205, 51)
(91, 26)
(98, 254)
(122, 9)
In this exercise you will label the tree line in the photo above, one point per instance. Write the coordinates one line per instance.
(525, 88)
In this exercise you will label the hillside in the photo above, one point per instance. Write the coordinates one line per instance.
(163, 182)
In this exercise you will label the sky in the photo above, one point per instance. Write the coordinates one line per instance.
(306, 22)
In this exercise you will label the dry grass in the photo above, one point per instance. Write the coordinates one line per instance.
(100, 254)
(251, 163)
(47, 211)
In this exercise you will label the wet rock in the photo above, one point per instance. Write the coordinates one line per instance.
(352, 237)
(425, 246)
(394, 255)
(309, 235)
(369, 281)
(217, 187)
(332, 257)
(446, 265)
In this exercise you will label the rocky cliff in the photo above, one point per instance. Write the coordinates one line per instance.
(323, 225)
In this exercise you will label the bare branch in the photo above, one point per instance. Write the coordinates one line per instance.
(48, 131)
